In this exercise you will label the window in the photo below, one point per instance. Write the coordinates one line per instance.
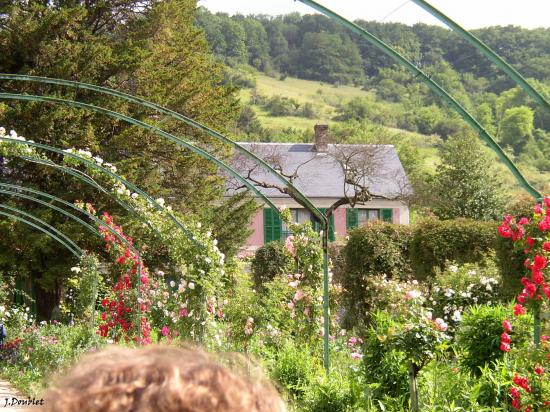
(357, 217)
(286, 232)
(275, 228)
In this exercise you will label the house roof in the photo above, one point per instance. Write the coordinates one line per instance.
(321, 174)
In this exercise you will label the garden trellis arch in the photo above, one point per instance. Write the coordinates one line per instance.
(91, 182)
(52, 229)
(43, 230)
(302, 198)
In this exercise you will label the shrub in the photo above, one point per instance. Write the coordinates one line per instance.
(295, 369)
(510, 259)
(434, 242)
(332, 393)
(270, 260)
(459, 287)
(376, 248)
(385, 370)
(478, 336)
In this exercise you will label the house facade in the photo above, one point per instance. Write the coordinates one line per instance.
(318, 170)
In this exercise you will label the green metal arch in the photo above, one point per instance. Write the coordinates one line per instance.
(212, 133)
(46, 232)
(487, 52)
(145, 126)
(436, 88)
(111, 174)
(89, 181)
(64, 212)
(44, 223)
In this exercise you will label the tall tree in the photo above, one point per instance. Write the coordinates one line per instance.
(146, 48)
(466, 184)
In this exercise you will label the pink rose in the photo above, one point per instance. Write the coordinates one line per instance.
(441, 325)
(298, 295)
(289, 245)
(165, 331)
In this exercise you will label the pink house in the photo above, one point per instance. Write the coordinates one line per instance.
(318, 171)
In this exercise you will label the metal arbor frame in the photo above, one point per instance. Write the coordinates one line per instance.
(44, 227)
(487, 52)
(302, 198)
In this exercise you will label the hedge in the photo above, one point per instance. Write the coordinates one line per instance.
(435, 242)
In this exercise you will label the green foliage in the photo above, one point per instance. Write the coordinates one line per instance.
(510, 259)
(478, 336)
(385, 369)
(373, 249)
(85, 285)
(48, 350)
(466, 184)
(434, 242)
(516, 127)
(333, 393)
(458, 287)
(270, 260)
(295, 369)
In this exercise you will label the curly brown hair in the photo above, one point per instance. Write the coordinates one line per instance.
(159, 378)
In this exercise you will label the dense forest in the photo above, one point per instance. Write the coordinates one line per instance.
(315, 48)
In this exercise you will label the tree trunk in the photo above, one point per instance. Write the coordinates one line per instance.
(413, 387)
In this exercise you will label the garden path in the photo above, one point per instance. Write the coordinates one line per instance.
(7, 394)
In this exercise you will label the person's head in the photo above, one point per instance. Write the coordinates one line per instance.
(158, 378)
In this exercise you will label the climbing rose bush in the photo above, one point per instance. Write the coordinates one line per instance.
(530, 389)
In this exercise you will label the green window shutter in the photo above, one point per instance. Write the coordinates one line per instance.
(387, 215)
(272, 226)
(352, 218)
(317, 224)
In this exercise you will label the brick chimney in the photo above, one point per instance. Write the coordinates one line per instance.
(321, 138)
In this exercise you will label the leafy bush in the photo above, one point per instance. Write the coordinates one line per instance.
(478, 336)
(282, 106)
(47, 350)
(434, 242)
(510, 260)
(385, 370)
(332, 393)
(459, 287)
(295, 369)
(270, 260)
(446, 387)
(376, 248)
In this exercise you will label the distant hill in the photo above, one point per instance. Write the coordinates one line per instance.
(296, 70)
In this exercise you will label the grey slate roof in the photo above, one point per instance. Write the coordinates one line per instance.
(321, 175)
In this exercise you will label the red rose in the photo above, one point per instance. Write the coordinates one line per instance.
(519, 310)
(505, 347)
